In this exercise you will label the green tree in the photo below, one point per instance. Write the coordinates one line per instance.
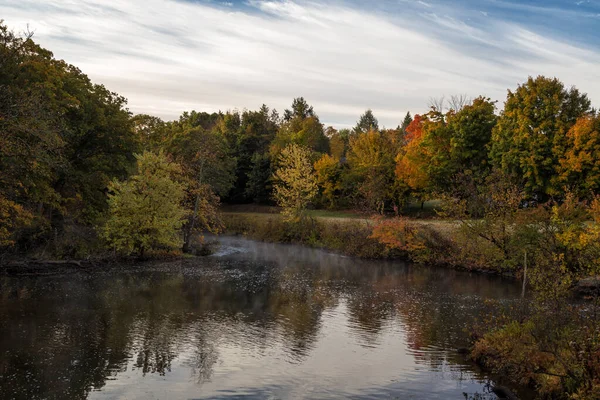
(145, 212)
(249, 138)
(62, 138)
(531, 135)
(301, 126)
(31, 145)
(151, 131)
(208, 169)
(295, 182)
(259, 186)
(366, 123)
(470, 134)
(300, 109)
(406, 122)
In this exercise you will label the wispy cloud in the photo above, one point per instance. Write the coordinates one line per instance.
(168, 56)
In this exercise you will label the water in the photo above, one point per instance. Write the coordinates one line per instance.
(252, 321)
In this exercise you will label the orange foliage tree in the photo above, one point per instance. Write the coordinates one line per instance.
(411, 162)
(579, 168)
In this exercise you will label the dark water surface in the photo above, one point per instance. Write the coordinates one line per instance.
(253, 321)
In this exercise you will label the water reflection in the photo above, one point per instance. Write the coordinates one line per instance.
(257, 320)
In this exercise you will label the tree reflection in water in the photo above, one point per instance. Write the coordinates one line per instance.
(265, 319)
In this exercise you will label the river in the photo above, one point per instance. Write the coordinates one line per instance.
(254, 320)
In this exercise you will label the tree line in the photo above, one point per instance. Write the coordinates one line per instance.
(72, 154)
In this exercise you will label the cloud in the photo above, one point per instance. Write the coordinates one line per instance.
(168, 56)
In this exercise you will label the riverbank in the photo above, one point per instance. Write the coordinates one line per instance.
(432, 241)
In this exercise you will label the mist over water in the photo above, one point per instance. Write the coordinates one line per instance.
(254, 320)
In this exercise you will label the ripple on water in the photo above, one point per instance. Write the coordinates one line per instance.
(253, 321)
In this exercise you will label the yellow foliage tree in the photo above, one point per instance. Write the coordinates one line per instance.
(145, 211)
(328, 177)
(295, 182)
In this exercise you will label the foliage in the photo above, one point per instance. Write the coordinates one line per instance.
(338, 143)
(328, 170)
(531, 135)
(495, 206)
(411, 162)
(208, 170)
(439, 146)
(347, 237)
(580, 164)
(400, 234)
(145, 211)
(295, 184)
(371, 160)
(13, 217)
(258, 186)
(367, 122)
(301, 126)
(62, 138)
(152, 132)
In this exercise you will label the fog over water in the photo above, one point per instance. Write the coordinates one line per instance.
(254, 320)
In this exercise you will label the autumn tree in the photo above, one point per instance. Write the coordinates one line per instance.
(329, 171)
(371, 162)
(145, 211)
(531, 135)
(295, 184)
(579, 167)
(339, 142)
(412, 161)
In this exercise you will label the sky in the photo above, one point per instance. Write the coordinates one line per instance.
(343, 57)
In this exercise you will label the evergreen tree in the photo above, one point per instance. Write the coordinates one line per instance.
(367, 122)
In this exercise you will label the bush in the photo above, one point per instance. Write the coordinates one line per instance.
(345, 237)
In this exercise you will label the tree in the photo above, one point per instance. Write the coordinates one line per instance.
(411, 162)
(580, 165)
(31, 144)
(366, 123)
(295, 183)
(300, 109)
(405, 123)
(249, 135)
(258, 186)
(151, 131)
(62, 138)
(301, 126)
(531, 135)
(328, 170)
(208, 169)
(470, 131)
(338, 144)
(371, 162)
(145, 212)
